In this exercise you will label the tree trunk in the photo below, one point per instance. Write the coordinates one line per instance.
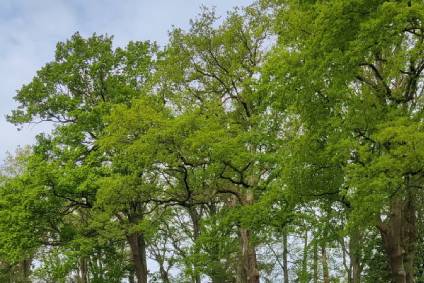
(356, 269)
(410, 238)
(399, 239)
(83, 270)
(326, 275)
(355, 257)
(249, 272)
(26, 269)
(138, 252)
(304, 272)
(195, 220)
(163, 274)
(285, 261)
(248, 264)
(315, 261)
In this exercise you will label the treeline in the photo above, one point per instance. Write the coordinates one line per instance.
(282, 143)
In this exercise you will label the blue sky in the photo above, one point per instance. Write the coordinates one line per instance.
(30, 29)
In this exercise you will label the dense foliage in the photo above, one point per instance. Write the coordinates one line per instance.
(284, 143)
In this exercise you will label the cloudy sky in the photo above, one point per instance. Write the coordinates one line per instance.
(30, 29)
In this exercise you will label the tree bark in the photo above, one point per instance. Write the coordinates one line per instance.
(195, 220)
(315, 261)
(164, 274)
(355, 258)
(138, 252)
(325, 272)
(26, 269)
(356, 269)
(285, 261)
(399, 238)
(410, 238)
(83, 270)
(249, 272)
(249, 267)
(304, 275)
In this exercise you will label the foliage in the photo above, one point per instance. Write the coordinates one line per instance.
(282, 142)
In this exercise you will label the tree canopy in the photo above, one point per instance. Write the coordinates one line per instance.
(282, 143)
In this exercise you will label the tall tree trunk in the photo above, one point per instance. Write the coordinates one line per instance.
(326, 275)
(348, 267)
(399, 239)
(285, 261)
(249, 272)
(26, 269)
(410, 238)
(304, 272)
(355, 257)
(315, 261)
(83, 270)
(248, 264)
(195, 220)
(138, 252)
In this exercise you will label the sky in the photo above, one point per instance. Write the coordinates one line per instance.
(30, 29)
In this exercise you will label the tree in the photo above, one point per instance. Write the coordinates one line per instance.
(357, 85)
(75, 91)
